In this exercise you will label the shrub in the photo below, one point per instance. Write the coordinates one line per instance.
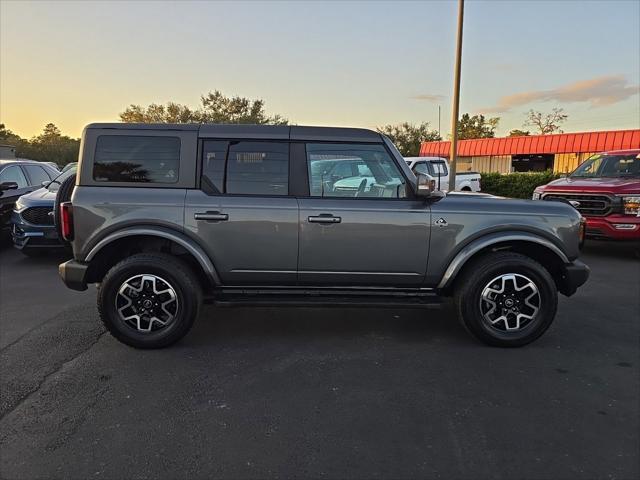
(515, 185)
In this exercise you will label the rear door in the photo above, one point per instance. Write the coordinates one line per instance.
(242, 213)
(362, 229)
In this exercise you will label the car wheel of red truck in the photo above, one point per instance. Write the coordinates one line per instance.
(506, 299)
(149, 300)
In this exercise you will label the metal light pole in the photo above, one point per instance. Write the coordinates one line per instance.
(456, 102)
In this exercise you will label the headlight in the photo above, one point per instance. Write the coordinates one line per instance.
(19, 205)
(631, 205)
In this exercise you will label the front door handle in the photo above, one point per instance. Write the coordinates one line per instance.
(211, 216)
(324, 218)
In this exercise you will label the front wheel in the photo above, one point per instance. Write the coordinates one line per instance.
(506, 299)
(149, 300)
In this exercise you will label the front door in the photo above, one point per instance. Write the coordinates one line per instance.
(12, 173)
(243, 215)
(357, 227)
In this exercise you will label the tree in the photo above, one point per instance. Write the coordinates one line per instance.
(8, 137)
(215, 107)
(408, 137)
(519, 133)
(546, 123)
(154, 113)
(50, 133)
(49, 146)
(477, 126)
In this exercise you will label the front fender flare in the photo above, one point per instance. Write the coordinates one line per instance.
(468, 251)
(187, 243)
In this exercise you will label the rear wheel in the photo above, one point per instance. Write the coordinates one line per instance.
(149, 300)
(506, 299)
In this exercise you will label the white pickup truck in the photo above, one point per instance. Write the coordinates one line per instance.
(434, 166)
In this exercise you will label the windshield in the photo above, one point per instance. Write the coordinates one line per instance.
(56, 182)
(609, 166)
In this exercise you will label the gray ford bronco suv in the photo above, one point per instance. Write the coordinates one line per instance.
(163, 217)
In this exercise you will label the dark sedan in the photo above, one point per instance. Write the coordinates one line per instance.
(33, 223)
(18, 177)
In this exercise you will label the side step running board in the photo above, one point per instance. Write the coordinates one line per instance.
(326, 298)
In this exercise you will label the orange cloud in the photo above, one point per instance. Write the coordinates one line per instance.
(598, 92)
(428, 97)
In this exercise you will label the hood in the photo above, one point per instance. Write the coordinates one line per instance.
(512, 210)
(597, 184)
(40, 197)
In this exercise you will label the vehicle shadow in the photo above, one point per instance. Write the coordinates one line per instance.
(612, 249)
(44, 258)
(218, 324)
(5, 240)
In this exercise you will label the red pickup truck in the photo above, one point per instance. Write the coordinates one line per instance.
(605, 188)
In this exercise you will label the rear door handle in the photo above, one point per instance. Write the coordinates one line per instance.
(211, 216)
(324, 218)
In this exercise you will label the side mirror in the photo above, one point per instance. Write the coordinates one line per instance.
(426, 187)
(46, 183)
(8, 186)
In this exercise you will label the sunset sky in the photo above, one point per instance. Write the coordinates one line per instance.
(322, 63)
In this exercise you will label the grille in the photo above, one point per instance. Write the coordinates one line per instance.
(594, 205)
(38, 215)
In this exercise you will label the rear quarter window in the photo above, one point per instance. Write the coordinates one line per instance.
(136, 159)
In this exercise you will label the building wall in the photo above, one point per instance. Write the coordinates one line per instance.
(568, 162)
(485, 164)
(7, 151)
(562, 163)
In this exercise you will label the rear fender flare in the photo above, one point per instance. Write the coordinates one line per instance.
(187, 243)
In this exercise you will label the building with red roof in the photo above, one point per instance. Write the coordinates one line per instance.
(559, 152)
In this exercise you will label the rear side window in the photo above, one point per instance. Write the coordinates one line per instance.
(438, 168)
(37, 174)
(258, 168)
(136, 159)
(214, 155)
(246, 167)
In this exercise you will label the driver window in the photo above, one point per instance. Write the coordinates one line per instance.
(353, 170)
(14, 174)
(422, 168)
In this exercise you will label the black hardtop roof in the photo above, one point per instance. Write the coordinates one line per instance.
(271, 132)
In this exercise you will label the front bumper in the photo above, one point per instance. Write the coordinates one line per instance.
(73, 274)
(614, 227)
(27, 235)
(574, 276)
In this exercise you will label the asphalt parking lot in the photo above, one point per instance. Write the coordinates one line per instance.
(331, 393)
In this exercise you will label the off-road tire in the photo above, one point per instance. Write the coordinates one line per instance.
(63, 195)
(479, 273)
(170, 269)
